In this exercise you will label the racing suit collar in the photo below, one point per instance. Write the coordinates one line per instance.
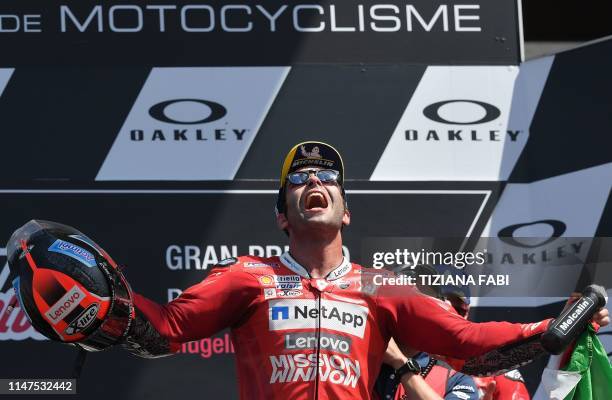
(344, 268)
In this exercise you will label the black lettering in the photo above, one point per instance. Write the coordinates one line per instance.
(507, 259)
(493, 136)
(179, 134)
(454, 135)
(136, 135)
(529, 258)
(577, 247)
(239, 133)
(561, 252)
(475, 136)
(513, 135)
(411, 134)
(335, 314)
(219, 134)
(158, 135)
(432, 135)
(303, 313)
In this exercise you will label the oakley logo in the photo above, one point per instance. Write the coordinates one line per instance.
(432, 111)
(210, 112)
(507, 233)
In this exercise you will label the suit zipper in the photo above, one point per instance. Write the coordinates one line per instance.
(318, 341)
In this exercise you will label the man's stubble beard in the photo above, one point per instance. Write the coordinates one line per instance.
(315, 225)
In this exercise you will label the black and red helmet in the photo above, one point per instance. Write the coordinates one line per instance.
(68, 286)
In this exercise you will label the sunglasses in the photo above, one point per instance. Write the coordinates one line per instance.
(324, 175)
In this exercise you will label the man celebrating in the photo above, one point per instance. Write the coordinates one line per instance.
(310, 324)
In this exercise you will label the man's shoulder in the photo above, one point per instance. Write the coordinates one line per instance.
(251, 264)
(248, 271)
(360, 269)
(254, 263)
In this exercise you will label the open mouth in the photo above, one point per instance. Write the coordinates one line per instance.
(315, 200)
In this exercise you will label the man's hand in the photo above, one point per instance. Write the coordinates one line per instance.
(414, 385)
(489, 391)
(602, 317)
(394, 356)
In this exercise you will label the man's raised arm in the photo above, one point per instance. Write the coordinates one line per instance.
(219, 301)
(426, 324)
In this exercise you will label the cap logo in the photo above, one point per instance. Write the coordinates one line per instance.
(313, 153)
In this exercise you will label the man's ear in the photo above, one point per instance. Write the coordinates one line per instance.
(282, 222)
(346, 218)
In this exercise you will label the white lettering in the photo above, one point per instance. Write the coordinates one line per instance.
(296, 24)
(459, 18)
(428, 26)
(391, 18)
(211, 16)
(96, 12)
(173, 293)
(174, 261)
(30, 22)
(162, 9)
(272, 18)
(334, 26)
(115, 28)
(300, 367)
(224, 9)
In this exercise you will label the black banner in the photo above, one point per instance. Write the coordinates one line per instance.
(220, 33)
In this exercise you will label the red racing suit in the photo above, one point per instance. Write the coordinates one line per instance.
(509, 386)
(297, 337)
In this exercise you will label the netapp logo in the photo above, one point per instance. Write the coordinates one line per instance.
(304, 314)
(244, 18)
(461, 113)
(187, 112)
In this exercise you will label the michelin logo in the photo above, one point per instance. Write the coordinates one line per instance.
(304, 314)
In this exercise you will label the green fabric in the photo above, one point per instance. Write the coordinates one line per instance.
(591, 361)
